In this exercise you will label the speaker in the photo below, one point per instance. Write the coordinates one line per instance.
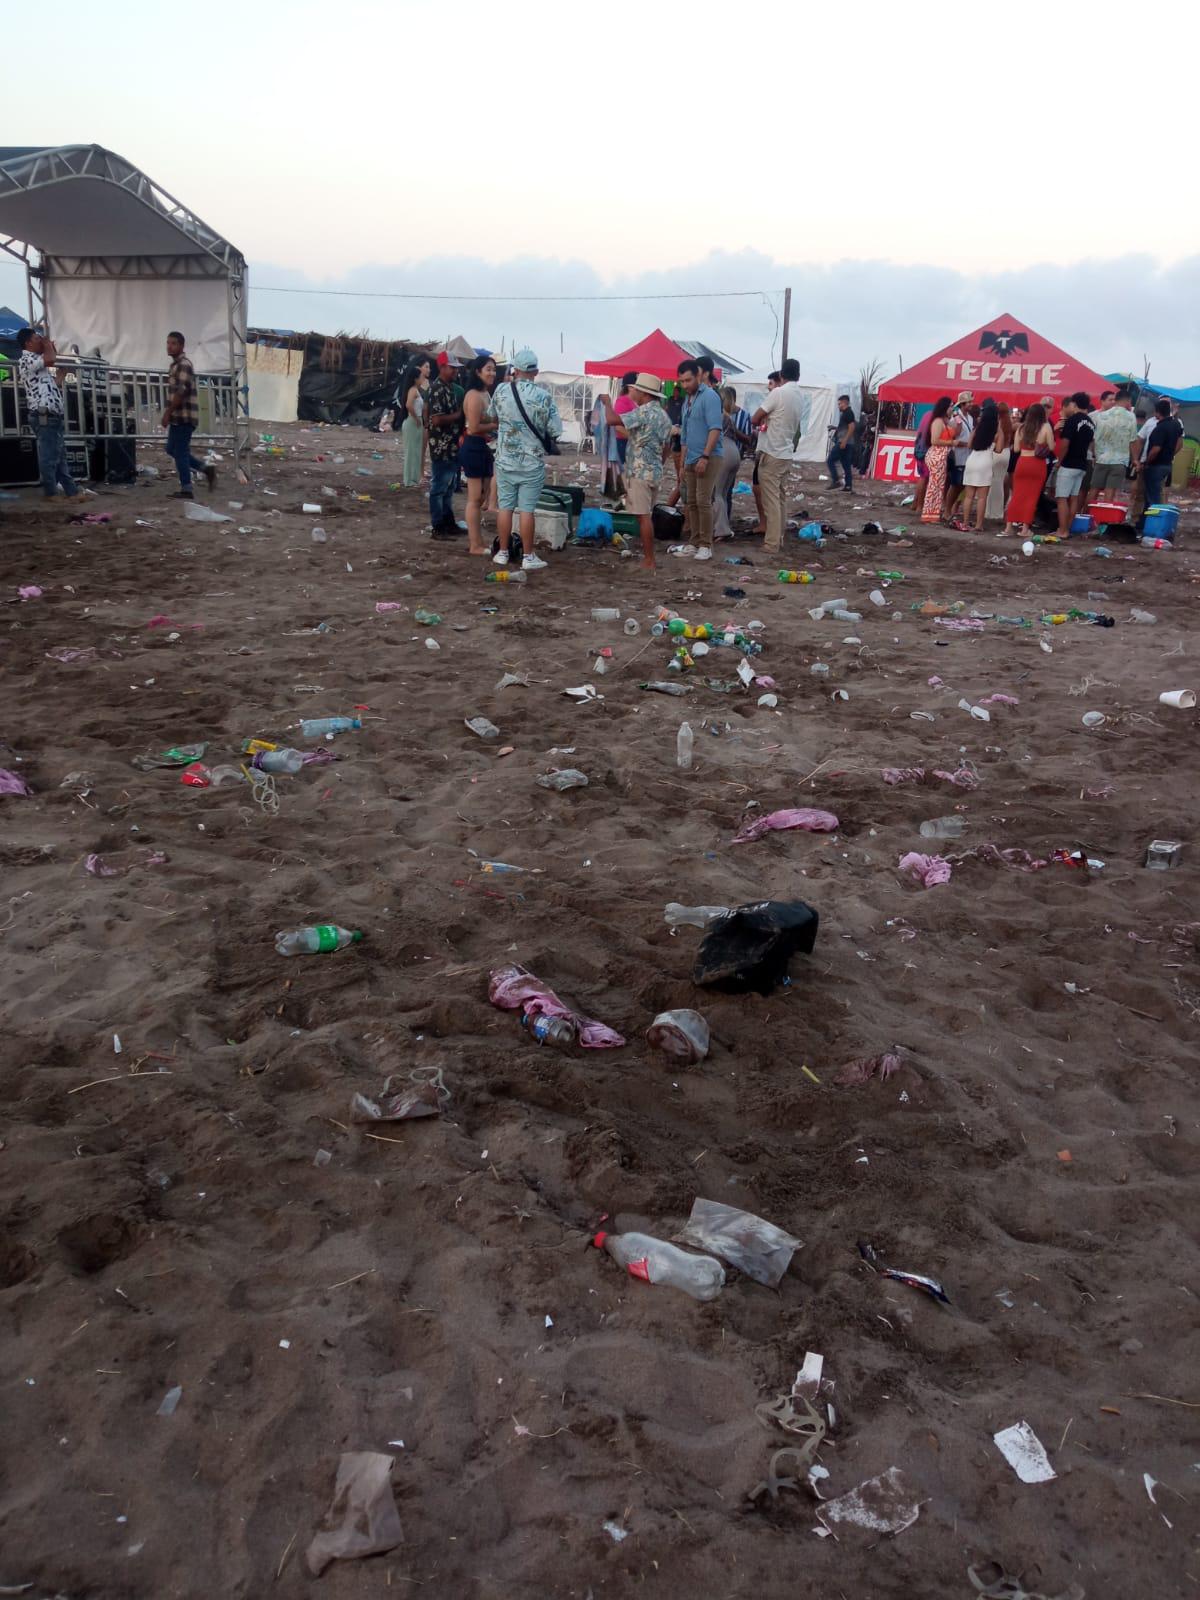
(18, 460)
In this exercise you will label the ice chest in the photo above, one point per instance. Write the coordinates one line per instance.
(551, 527)
(1104, 512)
(1161, 522)
(561, 498)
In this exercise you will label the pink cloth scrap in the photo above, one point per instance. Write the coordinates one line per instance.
(1020, 859)
(512, 988)
(118, 866)
(960, 624)
(928, 871)
(29, 591)
(388, 605)
(66, 654)
(963, 778)
(1000, 700)
(811, 821)
(12, 782)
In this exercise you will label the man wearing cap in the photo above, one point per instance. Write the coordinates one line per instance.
(648, 429)
(528, 424)
(445, 429)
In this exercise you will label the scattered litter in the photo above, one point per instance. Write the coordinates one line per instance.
(116, 866)
(195, 512)
(585, 691)
(483, 728)
(928, 871)
(515, 988)
(563, 778)
(914, 1280)
(992, 1583)
(811, 821)
(962, 778)
(614, 1530)
(886, 1504)
(1025, 1453)
(514, 680)
(682, 1035)
(862, 1071)
(1161, 854)
(169, 1401)
(751, 947)
(362, 1519)
(1179, 699)
(67, 655)
(12, 783)
(29, 591)
(425, 1096)
(758, 1248)
(179, 755)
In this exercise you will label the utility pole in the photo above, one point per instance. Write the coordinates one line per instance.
(787, 322)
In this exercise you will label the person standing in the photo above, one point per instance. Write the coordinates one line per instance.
(180, 419)
(726, 470)
(981, 463)
(1116, 429)
(1077, 432)
(841, 452)
(962, 424)
(761, 525)
(528, 426)
(412, 434)
(625, 402)
(475, 455)
(1155, 461)
(44, 404)
(701, 434)
(937, 455)
(675, 417)
(782, 411)
(1035, 438)
(445, 429)
(1002, 465)
(648, 432)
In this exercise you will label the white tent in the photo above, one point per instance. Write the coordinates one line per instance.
(817, 413)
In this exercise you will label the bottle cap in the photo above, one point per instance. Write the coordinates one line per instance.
(357, 937)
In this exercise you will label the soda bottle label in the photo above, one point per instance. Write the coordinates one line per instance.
(328, 938)
(640, 1269)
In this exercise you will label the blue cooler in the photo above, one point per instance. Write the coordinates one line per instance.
(1083, 524)
(1161, 522)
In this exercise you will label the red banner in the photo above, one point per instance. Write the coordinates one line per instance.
(894, 458)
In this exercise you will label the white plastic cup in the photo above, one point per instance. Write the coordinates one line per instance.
(1181, 699)
(1094, 719)
(1027, 548)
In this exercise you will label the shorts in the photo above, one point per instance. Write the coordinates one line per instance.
(954, 472)
(978, 471)
(1108, 477)
(475, 458)
(519, 494)
(1070, 482)
(639, 496)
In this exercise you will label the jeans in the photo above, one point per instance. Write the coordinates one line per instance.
(1154, 487)
(179, 448)
(52, 455)
(773, 481)
(442, 478)
(842, 455)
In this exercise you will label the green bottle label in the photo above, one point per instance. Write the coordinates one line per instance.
(328, 937)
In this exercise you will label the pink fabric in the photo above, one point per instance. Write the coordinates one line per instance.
(12, 782)
(811, 821)
(29, 591)
(1000, 700)
(960, 624)
(512, 988)
(928, 871)
(1020, 859)
(963, 778)
(881, 1067)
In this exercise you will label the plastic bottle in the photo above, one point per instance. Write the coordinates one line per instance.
(505, 575)
(318, 727)
(558, 1031)
(314, 941)
(677, 916)
(842, 615)
(430, 619)
(319, 536)
(632, 627)
(655, 1261)
(605, 614)
(683, 746)
(278, 760)
(877, 597)
(943, 828)
(795, 577)
(1142, 616)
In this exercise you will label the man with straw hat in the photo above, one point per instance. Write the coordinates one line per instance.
(648, 429)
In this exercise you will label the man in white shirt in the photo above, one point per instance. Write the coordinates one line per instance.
(44, 404)
(782, 411)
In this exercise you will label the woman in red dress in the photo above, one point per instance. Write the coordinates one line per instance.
(1035, 445)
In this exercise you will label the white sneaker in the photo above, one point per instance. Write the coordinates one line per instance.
(704, 553)
(500, 559)
(533, 564)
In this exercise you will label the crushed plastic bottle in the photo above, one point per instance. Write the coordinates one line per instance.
(786, 576)
(278, 760)
(318, 727)
(683, 746)
(483, 728)
(428, 619)
(631, 628)
(943, 828)
(655, 1261)
(842, 615)
(564, 778)
(506, 575)
(1142, 616)
(318, 940)
(558, 1031)
(677, 916)
(319, 536)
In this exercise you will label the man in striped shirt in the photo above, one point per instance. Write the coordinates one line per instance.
(180, 419)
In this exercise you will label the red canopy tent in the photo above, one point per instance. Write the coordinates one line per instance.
(655, 354)
(1004, 359)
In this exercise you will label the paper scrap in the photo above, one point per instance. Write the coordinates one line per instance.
(886, 1504)
(1025, 1453)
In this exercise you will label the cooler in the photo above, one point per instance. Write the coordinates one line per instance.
(1104, 512)
(551, 527)
(564, 498)
(1161, 522)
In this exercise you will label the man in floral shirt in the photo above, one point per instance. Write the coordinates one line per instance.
(44, 403)
(648, 429)
(445, 414)
(529, 421)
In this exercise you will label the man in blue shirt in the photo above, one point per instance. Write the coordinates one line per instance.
(701, 434)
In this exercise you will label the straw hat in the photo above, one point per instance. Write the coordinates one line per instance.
(648, 384)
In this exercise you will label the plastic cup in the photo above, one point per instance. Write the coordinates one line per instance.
(1181, 699)
(1093, 719)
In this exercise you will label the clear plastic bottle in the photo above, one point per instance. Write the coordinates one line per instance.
(655, 1261)
(631, 628)
(278, 760)
(842, 615)
(683, 746)
(943, 828)
(318, 727)
(605, 614)
(314, 941)
(558, 1031)
(677, 916)
(506, 575)
(428, 619)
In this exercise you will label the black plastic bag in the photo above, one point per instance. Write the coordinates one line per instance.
(752, 946)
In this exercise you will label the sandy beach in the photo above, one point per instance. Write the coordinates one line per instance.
(198, 1210)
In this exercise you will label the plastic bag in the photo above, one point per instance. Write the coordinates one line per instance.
(564, 778)
(751, 947)
(517, 989)
(806, 818)
(12, 782)
(362, 1520)
(758, 1248)
(682, 1035)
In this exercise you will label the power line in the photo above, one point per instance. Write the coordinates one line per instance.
(534, 299)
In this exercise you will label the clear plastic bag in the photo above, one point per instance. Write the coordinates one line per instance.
(759, 1249)
(682, 1035)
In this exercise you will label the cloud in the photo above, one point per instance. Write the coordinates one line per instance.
(1112, 314)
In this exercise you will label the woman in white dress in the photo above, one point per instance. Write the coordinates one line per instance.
(1002, 467)
(977, 475)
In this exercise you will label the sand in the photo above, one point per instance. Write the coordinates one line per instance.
(165, 1220)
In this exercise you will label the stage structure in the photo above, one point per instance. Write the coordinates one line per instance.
(112, 264)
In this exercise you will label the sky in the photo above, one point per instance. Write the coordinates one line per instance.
(908, 179)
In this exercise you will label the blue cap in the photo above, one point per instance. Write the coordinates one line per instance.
(525, 361)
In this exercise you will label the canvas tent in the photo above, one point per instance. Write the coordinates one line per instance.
(1187, 408)
(113, 262)
(1004, 359)
(655, 354)
(817, 407)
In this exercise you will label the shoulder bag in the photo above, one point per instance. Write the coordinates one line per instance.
(549, 445)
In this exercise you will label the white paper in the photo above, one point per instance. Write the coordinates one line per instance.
(1025, 1453)
(885, 1504)
(808, 1379)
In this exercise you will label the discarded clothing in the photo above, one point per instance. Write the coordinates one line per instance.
(806, 818)
(515, 988)
(362, 1520)
(928, 871)
(962, 778)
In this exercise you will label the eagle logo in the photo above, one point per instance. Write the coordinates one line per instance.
(1004, 341)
